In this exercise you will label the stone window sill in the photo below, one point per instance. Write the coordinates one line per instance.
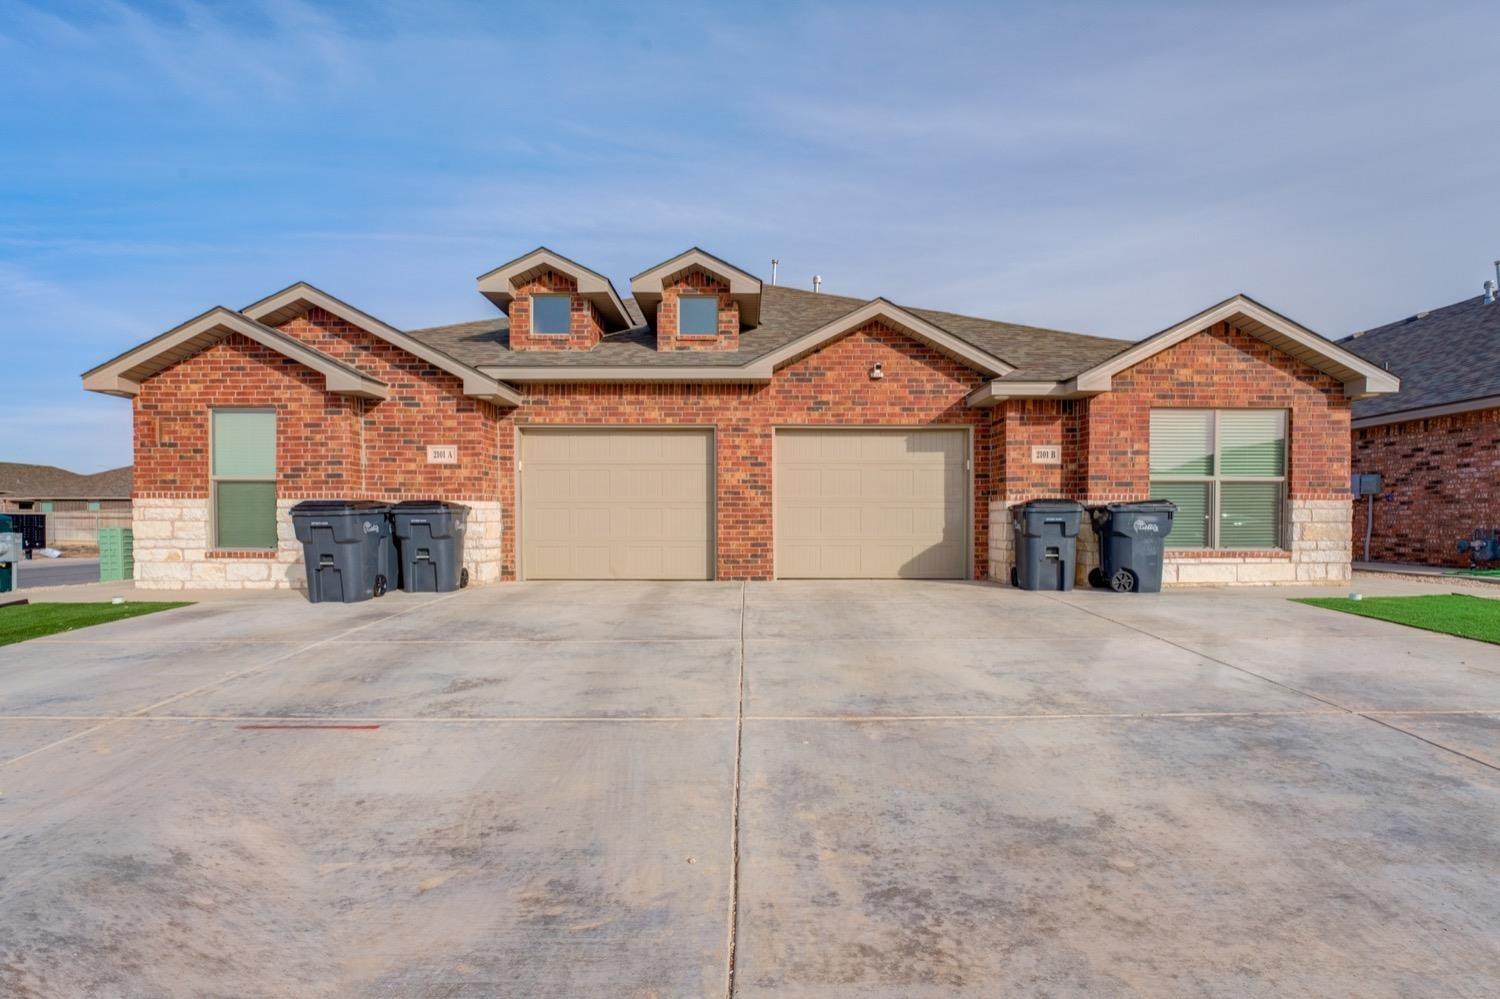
(1188, 554)
(251, 553)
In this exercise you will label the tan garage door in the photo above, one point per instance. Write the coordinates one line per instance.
(864, 504)
(616, 504)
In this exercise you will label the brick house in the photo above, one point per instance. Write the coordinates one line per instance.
(712, 427)
(1436, 442)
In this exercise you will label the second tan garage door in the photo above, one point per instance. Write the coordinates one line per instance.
(616, 504)
(868, 504)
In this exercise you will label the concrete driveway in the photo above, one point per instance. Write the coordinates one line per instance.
(841, 789)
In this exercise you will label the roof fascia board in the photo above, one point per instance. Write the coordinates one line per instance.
(1371, 381)
(474, 383)
(740, 282)
(1427, 412)
(746, 374)
(881, 309)
(995, 392)
(109, 377)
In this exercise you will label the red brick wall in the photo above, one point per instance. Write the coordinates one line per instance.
(333, 445)
(316, 433)
(587, 325)
(1024, 424)
(326, 444)
(697, 281)
(831, 387)
(1442, 480)
(1221, 368)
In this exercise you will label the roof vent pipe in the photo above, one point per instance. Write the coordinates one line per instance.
(1489, 293)
(817, 283)
(774, 264)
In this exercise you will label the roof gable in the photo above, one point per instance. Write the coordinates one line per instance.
(744, 287)
(1360, 377)
(296, 300)
(880, 310)
(499, 284)
(123, 375)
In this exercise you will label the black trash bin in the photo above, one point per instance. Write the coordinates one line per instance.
(348, 547)
(430, 536)
(1046, 533)
(1132, 537)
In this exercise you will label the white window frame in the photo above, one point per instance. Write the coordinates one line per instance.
(1215, 480)
(214, 478)
(552, 294)
(717, 306)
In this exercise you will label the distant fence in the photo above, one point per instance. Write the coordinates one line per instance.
(81, 527)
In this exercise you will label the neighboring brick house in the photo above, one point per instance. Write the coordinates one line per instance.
(1436, 442)
(711, 427)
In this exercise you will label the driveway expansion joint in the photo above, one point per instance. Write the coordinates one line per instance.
(219, 681)
(1354, 712)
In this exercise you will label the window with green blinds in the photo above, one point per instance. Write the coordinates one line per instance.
(243, 467)
(245, 514)
(244, 443)
(1190, 525)
(1225, 470)
(1182, 442)
(1252, 442)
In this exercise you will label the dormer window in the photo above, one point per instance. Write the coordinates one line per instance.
(552, 315)
(698, 315)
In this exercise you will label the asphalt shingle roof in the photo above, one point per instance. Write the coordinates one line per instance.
(785, 315)
(23, 481)
(1444, 356)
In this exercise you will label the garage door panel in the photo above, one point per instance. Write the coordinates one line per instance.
(604, 504)
(872, 503)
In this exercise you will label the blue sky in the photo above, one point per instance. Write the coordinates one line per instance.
(1107, 168)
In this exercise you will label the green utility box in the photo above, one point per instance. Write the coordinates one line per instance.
(116, 554)
(10, 554)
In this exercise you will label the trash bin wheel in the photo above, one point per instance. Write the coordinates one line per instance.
(1096, 579)
(1123, 581)
(380, 585)
(463, 578)
(1015, 576)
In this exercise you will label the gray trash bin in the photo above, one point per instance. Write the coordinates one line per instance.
(1132, 537)
(348, 548)
(430, 536)
(1046, 533)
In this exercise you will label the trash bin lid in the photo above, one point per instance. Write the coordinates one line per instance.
(1144, 506)
(324, 507)
(427, 506)
(1052, 505)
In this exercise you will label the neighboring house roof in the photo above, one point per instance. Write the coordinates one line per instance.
(48, 482)
(1448, 360)
(123, 374)
(787, 314)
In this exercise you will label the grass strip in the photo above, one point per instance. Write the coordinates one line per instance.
(25, 621)
(1450, 613)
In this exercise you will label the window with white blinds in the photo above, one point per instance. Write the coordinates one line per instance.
(243, 478)
(1226, 471)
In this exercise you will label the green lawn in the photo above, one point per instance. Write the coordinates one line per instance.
(18, 623)
(1451, 613)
